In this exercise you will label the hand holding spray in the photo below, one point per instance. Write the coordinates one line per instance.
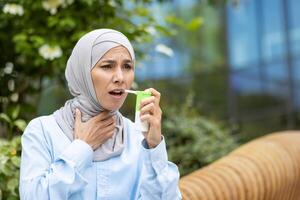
(142, 126)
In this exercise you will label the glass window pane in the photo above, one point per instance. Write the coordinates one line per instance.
(242, 36)
(277, 83)
(246, 80)
(273, 46)
(294, 16)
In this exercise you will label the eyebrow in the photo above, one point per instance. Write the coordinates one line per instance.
(113, 61)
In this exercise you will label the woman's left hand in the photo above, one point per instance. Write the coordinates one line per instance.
(152, 113)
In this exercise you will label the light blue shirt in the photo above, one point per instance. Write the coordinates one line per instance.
(53, 167)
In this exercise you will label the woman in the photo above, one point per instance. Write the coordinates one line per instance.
(87, 149)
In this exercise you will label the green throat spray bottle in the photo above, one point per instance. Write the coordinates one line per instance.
(140, 95)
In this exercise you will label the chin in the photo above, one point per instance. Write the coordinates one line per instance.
(112, 107)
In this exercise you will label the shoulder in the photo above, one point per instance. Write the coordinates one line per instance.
(36, 137)
(36, 127)
(39, 122)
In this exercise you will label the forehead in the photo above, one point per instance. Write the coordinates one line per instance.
(118, 51)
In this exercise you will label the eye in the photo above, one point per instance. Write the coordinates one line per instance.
(106, 66)
(127, 66)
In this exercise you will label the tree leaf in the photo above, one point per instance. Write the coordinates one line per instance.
(12, 184)
(3, 161)
(15, 112)
(21, 124)
(7, 171)
(195, 24)
(5, 117)
(21, 37)
(16, 161)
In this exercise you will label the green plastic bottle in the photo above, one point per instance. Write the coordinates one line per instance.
(140, 95)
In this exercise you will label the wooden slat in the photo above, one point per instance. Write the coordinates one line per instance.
(267, 168)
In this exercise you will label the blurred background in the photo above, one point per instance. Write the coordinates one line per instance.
(228, 71)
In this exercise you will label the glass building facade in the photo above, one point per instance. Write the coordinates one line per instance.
(263, 68)
(264, 58)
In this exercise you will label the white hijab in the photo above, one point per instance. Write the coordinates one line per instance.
(86, 53)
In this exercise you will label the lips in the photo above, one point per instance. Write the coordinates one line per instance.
(117, 92)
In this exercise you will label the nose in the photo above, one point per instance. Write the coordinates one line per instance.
(118, 76)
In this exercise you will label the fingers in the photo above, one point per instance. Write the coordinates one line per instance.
(102, 116)
(109, 130)
(151, 104)
(147, 100)
(77, 122)
(155, 98)
(154, 93)
(146, 117)
(148, 108)
(152, 113)
(106, 134)
(96, 130)
(77, 116)
(106, 122)
(103, 132)
(153, 120)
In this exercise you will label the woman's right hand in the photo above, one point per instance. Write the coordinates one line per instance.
(96, 130)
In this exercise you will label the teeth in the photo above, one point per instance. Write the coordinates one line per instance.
(118, 90)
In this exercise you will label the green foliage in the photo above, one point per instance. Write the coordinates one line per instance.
(9, 168)
(192, 25)
(12, 121)
(193, 140)
(36, 39)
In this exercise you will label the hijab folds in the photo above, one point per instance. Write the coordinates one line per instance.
(86, 53)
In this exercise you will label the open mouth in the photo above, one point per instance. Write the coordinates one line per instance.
(117, 92)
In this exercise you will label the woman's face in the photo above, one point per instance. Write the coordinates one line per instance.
(112, 74)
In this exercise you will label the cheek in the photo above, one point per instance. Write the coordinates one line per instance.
(130, 79)
(100, 82)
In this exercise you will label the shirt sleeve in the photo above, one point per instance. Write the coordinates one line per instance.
(160, 177)
(42, 178)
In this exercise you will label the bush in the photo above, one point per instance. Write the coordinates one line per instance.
(36, 39)
(9, 168)
(193, 140)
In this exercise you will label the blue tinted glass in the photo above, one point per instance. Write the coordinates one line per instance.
(277, 71)
(294, 16)
(246, 80)
(297, 98)
(242, 34)
(296, 76)
(273, 40)
(296, 71)
(277, 81)
(162, 66)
